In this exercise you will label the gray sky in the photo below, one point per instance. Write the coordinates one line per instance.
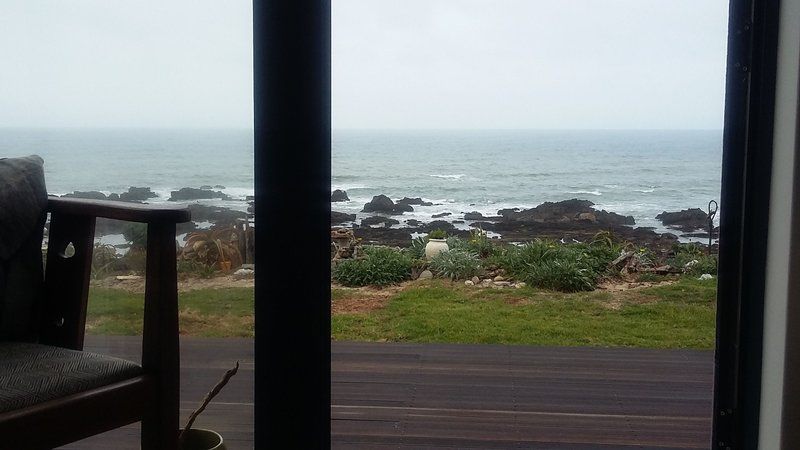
(396, 64)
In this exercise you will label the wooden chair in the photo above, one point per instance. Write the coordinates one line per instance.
(53, 393)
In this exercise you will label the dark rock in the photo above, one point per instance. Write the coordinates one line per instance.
(215, 214)
(219, 186)
(457, 221)
(566, 211)
(507, 212)
(393, 237)
(91, 195)
(413, 223)
(379, 203)
(413, 201)
(188, 193)
(444, 214)
(439, 225)
(474, 215)
(703, 234)
(113, 196)
(340, 217)
(137, 194)
(339, 196)
(383, 204)
(378, 220)
(686, 220)
(206, 187)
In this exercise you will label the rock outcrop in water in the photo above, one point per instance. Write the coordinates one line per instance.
(137, 194)
(686, 220)
(566, 211)
(339, 196)
(189, 193)
(383, 204)
(413, 201)
(340, 217)
(89, 195)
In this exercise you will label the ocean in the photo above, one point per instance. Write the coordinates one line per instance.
(639, 173)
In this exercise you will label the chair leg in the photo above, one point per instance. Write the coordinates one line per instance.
(159, 428)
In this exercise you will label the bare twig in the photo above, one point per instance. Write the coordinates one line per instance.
(207, 400)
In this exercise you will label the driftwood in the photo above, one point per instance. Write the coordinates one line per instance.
(217, 388)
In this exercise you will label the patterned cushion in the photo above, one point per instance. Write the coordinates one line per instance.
(33, 373)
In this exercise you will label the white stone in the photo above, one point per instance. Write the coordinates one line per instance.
(499, 278)
(521, 284)
(426, 275)
(469, 283)
(476, 280)
(502, 283)
(706, 276)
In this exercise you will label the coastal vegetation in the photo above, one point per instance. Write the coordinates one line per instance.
(539, 263)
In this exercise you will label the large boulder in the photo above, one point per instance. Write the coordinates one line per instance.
(188, 193)
(383, 204)
(340, 217)
(137, 194)
(686, 220)
(566, 211)
(339, 196)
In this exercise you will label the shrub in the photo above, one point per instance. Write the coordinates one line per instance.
(685, 254)
(380, 266)
(437, 234)
(456, 243)
(105, 261)
(195, 268)
(480, 243)
(417, 249)
(136, 234)
(561, 275)
(551, 265)
(456, 264)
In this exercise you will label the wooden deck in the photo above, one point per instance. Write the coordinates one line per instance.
(464, 396)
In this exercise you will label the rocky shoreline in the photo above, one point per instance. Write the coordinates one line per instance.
(567, 221)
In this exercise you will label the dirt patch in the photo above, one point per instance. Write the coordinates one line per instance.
(185, 285)
(363, 299)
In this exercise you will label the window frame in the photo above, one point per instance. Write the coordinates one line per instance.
(292, 94)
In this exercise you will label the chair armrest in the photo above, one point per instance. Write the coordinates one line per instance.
(131, 212)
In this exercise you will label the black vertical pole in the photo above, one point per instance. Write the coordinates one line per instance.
(292, 179)
(744, 209)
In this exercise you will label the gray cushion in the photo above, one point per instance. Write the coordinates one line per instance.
(23, 203)
(33, 373)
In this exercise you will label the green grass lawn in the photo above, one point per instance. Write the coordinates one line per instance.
(226, 312)
(680, 315)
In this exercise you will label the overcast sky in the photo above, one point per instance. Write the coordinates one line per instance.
(396, 64)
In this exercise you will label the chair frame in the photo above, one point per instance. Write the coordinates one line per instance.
(152, 397)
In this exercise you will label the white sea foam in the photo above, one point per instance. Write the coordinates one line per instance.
(595, 192)
(457, 176)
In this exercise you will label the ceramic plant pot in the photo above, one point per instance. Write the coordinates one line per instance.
(199, 439)
(434, 247)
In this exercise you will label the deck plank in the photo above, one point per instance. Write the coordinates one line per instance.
(406, 396)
